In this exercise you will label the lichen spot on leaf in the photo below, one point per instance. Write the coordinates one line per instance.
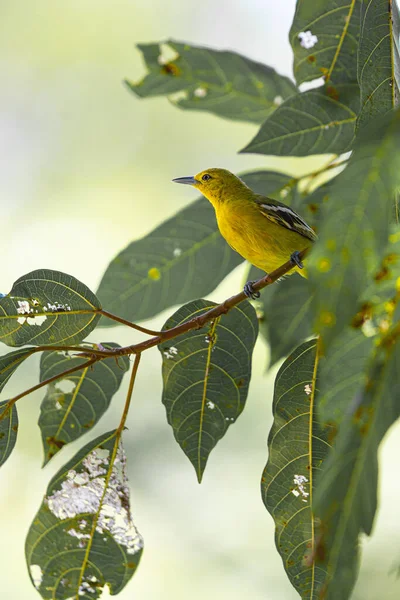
(154, 274)
(327, 318)
(324, 265)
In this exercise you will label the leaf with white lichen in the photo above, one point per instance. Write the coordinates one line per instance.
(297, 448)
(324, 37)
(75, 403)
(83, 536)
(47, 307)
(226, 84)
(206, 375)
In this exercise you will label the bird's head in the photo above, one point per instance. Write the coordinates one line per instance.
(217, 185)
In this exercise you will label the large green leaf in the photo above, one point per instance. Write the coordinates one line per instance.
(342, 372)
(346, 495)
(184, 258)
(83, 536)
(298, 446)
(74, 404)
(381, 295)
(206, 375)
(10, 362)
(343, 368)
(286, 313)
(354, 229)
(8, 431)
(333, 54)
(223, 83)
(309, 206)
(311, 123)
(272, 184)
(47, 307)
(378, 58)
(288, 316)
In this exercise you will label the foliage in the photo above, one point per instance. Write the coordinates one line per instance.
(206, 377)
(336, 393)
(298, 447)
(223, 83)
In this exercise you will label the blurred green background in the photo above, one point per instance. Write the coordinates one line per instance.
(86, 168)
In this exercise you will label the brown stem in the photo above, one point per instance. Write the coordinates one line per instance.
(162, 336)
(11, 402)
(331, 165)
(129, 394)
(109, 315)
(118, 434)
(213, 313)
(78, 349)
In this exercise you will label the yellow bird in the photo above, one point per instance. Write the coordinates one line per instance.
(265, 232)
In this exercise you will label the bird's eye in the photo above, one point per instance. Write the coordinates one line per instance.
(206, 177)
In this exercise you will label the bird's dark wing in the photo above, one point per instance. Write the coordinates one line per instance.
(285, 216)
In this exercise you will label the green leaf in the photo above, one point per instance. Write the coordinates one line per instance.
(182, 259)
(8, 431)
(206, 375)
(47, 307)
(378, 59)
(386, 283)
(346, 495)
(10, 362)
(343, 368)
(286, 313)
(223, 83)
(83, 536)
(310, 206)
(354, 229)
(289, 316)
(334, 54)
(271, 183)
(74, 404)
(314, 122)
(298, 446)
(342, 371)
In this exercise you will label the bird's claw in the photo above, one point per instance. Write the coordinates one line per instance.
(250, 292)
(295, 259)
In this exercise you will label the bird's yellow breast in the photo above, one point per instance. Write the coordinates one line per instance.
(258, 239)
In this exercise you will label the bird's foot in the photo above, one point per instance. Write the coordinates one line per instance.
(295, 259)
(250, 291)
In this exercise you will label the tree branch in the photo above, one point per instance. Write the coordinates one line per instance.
(213, 313)
(109, 315)
(46, 382)
(82, 350)
(96, 355)
(129, 394)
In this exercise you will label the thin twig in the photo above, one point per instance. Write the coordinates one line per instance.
(331, 165)
(11, 402)
(129, 394)
(83, 350)
(213, 313)
(109, 315)
(113, 456)
(162, 336)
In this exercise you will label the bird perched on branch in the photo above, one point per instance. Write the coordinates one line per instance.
(265, 232)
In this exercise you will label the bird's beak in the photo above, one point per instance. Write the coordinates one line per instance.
(186, 180)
